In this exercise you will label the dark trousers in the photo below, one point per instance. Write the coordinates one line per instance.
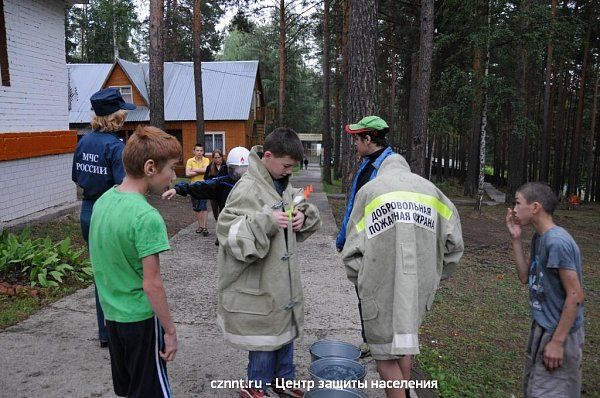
(85, 218)
(138, 371)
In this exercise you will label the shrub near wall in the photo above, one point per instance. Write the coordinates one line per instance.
(41, 262)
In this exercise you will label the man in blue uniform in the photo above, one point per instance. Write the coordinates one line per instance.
(97, 164)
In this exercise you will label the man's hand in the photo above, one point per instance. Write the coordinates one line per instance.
(553, 355)
(169, 194)
(170, 349)
(282, 218)
(514, 228)
(298, 220)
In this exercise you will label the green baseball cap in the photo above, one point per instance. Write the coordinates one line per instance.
(368, 123)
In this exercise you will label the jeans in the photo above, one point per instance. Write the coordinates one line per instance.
(265, 366)
(85, 218)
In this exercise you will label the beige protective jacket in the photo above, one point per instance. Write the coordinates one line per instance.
(403, 234)
(261, 306)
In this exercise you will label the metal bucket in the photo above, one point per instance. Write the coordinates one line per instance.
(336, 369)
(333, 393)
(332, 348)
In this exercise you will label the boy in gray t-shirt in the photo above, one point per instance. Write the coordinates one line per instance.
(554, 275)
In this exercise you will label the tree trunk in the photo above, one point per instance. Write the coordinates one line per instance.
(348, 163)
(576, 145)
(326, 102)
(196, 33)
(362, 84)
(557, 177)
(589, 164)
(337, 132)
(282, 60)
(419, 141)
(516, 147)
(394, 135)
(157, 108)
(547, 118)
(482, 135)
(471, 180)
(412, 102)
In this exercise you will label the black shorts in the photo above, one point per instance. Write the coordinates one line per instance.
(137, 368)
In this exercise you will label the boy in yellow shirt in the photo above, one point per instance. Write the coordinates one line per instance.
(195, 169)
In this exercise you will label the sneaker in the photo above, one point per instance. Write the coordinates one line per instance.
(248, 392)
(365, 351)
(289, 392)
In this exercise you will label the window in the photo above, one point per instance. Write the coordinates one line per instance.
(214, 141)
(126, 93)
(3, 49)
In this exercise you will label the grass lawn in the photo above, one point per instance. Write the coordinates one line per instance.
(473, 339)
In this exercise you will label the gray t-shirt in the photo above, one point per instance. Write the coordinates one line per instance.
(553, 250)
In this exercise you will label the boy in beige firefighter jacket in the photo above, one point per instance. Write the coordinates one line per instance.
(261, 306)
(403, 235)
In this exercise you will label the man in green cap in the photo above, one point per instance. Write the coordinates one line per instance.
(371, 144)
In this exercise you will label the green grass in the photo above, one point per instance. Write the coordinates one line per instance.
(334, 188)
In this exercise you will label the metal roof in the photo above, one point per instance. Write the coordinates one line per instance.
(227, 89)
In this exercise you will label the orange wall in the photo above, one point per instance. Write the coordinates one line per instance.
(28, 145)
(119, 78)
(235, 133)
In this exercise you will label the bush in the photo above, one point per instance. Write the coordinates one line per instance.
(41, 262)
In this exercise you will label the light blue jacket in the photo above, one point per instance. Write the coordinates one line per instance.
(341, 238)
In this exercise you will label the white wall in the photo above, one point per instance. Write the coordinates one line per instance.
(30, 185)
(36, 99)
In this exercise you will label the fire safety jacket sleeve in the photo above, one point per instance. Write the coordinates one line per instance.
(454, 246)
(249, 230)
(353, 252)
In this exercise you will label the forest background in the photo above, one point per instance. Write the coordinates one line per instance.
(505, 89)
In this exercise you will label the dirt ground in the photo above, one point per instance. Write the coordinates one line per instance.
(176, 212)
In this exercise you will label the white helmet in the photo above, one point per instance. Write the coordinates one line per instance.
(238, 156)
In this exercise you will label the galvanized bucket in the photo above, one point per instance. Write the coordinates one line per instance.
(333, 348)
(333, 393)
(336, 369)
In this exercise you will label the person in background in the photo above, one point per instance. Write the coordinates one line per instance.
(126, 236)
(195, 168)
(97, 165)
(369, 137)
(216, 189)
(404, 234)
(554, 275)
(261, 305)
(216, 168)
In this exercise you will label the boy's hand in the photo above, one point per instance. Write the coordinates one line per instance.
(553, 355)
(169, 194)
(298, 220)
(170, 349)
(282, 218)
(511, 223)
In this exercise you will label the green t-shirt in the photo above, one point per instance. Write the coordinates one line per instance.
(124, 229)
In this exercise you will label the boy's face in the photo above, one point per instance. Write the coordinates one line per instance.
(198, 151)
(160, 180)
(278, 167)
(523, 211)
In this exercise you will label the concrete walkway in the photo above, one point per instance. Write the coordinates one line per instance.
(54, 353)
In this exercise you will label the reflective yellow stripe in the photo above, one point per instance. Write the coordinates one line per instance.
(428, 200)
